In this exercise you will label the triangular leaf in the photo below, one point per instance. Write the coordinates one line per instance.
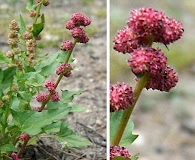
(32, 122)
(8, 75)
(22, 26)
(69, 139)
(67, 96)
(30, 6)
(38, 27)
(7, 148)
(127, 137)
(52, 128)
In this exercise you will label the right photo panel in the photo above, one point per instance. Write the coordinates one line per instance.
(152, 80)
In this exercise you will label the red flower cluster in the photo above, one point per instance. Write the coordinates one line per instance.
(118, 151)
(121, 96)
(15, 156)
(146, 59)
(74, 24)
(41, 97)
(50, 85)
(144, 27)
(24, 137)
(67, 45)
(78, 20)
(64, 68)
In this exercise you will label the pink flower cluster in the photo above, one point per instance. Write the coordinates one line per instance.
(78, 20)
(67, 45)
(64, 68)
(50, 85)
(24, 137)
(121, 96)
(15, 156)
(119, 151)
(74, 24)
(144, 27)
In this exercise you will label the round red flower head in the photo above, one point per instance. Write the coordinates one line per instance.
(119, 151)
(147, 59)
(164, 80)
(121, 96)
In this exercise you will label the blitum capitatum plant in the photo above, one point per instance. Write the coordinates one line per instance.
(25, 78)
(149, 65)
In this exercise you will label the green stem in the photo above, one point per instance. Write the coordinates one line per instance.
(59, 78)
(127, 113)
(38, 12)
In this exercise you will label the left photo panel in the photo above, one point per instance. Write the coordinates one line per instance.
(53, 80)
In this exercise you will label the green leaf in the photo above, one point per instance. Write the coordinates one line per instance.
(34, 79)
(8, 75)
(8, 148)
(63, 55)
(67, 96)
(120, 158)
(127, 137)
(77, 108)
(3, 58)
(30, 5)
(135, 157)
(69, 139)
(33, 122)
(38, 27)
(22, 26)
(55, 105)
(52, 128)
(48, 65)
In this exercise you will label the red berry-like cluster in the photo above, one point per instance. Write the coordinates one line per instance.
(121, 96)
(146, 59)
(41, 97)
(119, 151)
(64, 68)
(15, 156)
(50, 85)
(24, 137)
(78, 20)
(145, 26)
(55, 97)
(74, 24)
(67, 45)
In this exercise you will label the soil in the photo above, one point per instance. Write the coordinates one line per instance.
(89, 74)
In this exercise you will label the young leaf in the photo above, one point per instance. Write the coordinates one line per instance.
(8, 75)
(67, 137)
(127, 137)
(22, 26)
(34, 79)
(135, 157)
(7, 148)
(33, 122)
(67, 96)
(38, 27)
(3, 58)
(30, 5)
(47, 66)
